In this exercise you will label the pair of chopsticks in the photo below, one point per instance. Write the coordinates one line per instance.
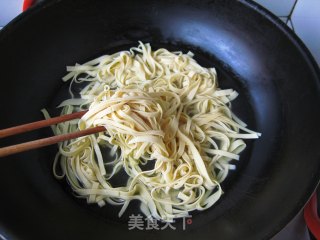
(6, 151)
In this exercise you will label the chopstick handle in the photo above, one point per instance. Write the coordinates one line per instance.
(39, 124)
(6, 151)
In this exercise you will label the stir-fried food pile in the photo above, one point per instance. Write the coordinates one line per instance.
(160, 109)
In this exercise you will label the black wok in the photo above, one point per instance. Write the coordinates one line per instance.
(254, 53)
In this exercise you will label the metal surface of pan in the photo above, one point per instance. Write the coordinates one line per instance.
(254, 53)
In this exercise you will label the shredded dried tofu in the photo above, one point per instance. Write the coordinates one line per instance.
(157, 107)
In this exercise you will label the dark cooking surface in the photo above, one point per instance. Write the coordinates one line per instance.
(279, 91)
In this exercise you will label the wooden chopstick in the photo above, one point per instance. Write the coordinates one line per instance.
(39, 124)
(5, 151)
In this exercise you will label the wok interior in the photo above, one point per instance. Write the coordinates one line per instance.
(253, 55)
